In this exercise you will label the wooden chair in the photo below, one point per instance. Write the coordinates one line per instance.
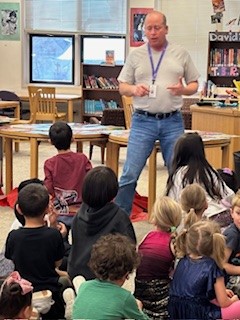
(45, 108)
(128, 110)
(113, 117)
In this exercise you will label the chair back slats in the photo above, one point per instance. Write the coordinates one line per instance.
(128, 110)
(45, 107)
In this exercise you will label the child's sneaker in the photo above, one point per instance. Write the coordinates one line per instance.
(42, 301)
(77, 281)
(68, 297)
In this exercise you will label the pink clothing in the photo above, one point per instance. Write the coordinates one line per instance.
(231, 312)
(156, 256)
(64, 174)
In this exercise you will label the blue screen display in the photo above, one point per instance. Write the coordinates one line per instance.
(52, 59)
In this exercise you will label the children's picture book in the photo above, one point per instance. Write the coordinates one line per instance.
(110, 57)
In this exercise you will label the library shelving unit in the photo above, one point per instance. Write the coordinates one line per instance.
(223, 58)
(99, 89)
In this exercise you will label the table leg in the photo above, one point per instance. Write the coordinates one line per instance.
(79, 146)
(33, 158)
(8, 164)
(70, 111)
(152, 163)
(17, 116)
(112, 160)
(226, 163)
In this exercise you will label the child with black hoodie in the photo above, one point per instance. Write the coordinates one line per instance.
(97, 216)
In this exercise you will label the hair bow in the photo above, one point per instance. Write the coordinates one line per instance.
(173, 229)
(228, 171)
(25, 285)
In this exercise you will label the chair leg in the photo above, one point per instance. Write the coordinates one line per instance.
(102, 153)
(90, 151)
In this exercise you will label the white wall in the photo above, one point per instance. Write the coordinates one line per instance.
(11, 60)
(186, 19)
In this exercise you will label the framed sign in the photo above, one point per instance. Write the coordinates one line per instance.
(9, 21)
(137, 35)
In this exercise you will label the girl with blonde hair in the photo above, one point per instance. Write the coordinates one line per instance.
(194, 202)
(157, 258)
(197, 290)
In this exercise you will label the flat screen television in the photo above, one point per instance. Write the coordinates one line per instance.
(51, 59)
(94, 49)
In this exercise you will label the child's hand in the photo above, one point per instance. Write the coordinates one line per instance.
(230, 293)
(234, 298)
(52, 215)
(62, 228)
(139, 304)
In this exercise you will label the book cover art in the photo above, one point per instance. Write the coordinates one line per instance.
(110, 57)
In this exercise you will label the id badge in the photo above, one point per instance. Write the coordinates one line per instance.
(152, 91)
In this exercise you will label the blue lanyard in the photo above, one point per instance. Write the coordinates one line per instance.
(155, 71)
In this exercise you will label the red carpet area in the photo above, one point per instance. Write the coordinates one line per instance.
(139, 210)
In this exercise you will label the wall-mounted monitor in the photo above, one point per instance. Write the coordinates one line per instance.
(94, 48)
(51, 59)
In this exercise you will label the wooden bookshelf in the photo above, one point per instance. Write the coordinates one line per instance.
(99, 89)
(224, 58)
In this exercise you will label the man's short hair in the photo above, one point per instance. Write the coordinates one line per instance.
(60, 134)
(33, 200)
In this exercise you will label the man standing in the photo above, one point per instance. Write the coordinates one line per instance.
(156, 75)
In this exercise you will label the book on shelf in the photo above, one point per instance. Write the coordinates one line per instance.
(97, 106)
(93, 82)
(86, 81)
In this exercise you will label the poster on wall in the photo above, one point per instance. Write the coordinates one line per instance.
(137, 36)
(218, 6)
(9, 21)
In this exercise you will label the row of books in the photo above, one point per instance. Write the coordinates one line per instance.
(94, 82)
(97, 106)
(226, 71)
(224, 57)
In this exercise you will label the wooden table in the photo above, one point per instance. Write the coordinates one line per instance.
(226, 120)
(116, 139)
(39, 132)
(65, 98)
(11, 104)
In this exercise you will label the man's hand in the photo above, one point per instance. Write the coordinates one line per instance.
(140, 90)
(177, 89)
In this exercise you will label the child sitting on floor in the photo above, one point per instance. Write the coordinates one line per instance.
(16, 298)
(65, 172)
(113, 258)
(197, 290)
(189, 166)
(97, 216)
(232, 250)
(157, 258)
(36, 249)
(194, 202)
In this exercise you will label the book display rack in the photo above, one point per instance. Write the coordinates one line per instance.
(224, 58)
(99, 89)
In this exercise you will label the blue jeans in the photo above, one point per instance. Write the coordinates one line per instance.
(144, 132)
